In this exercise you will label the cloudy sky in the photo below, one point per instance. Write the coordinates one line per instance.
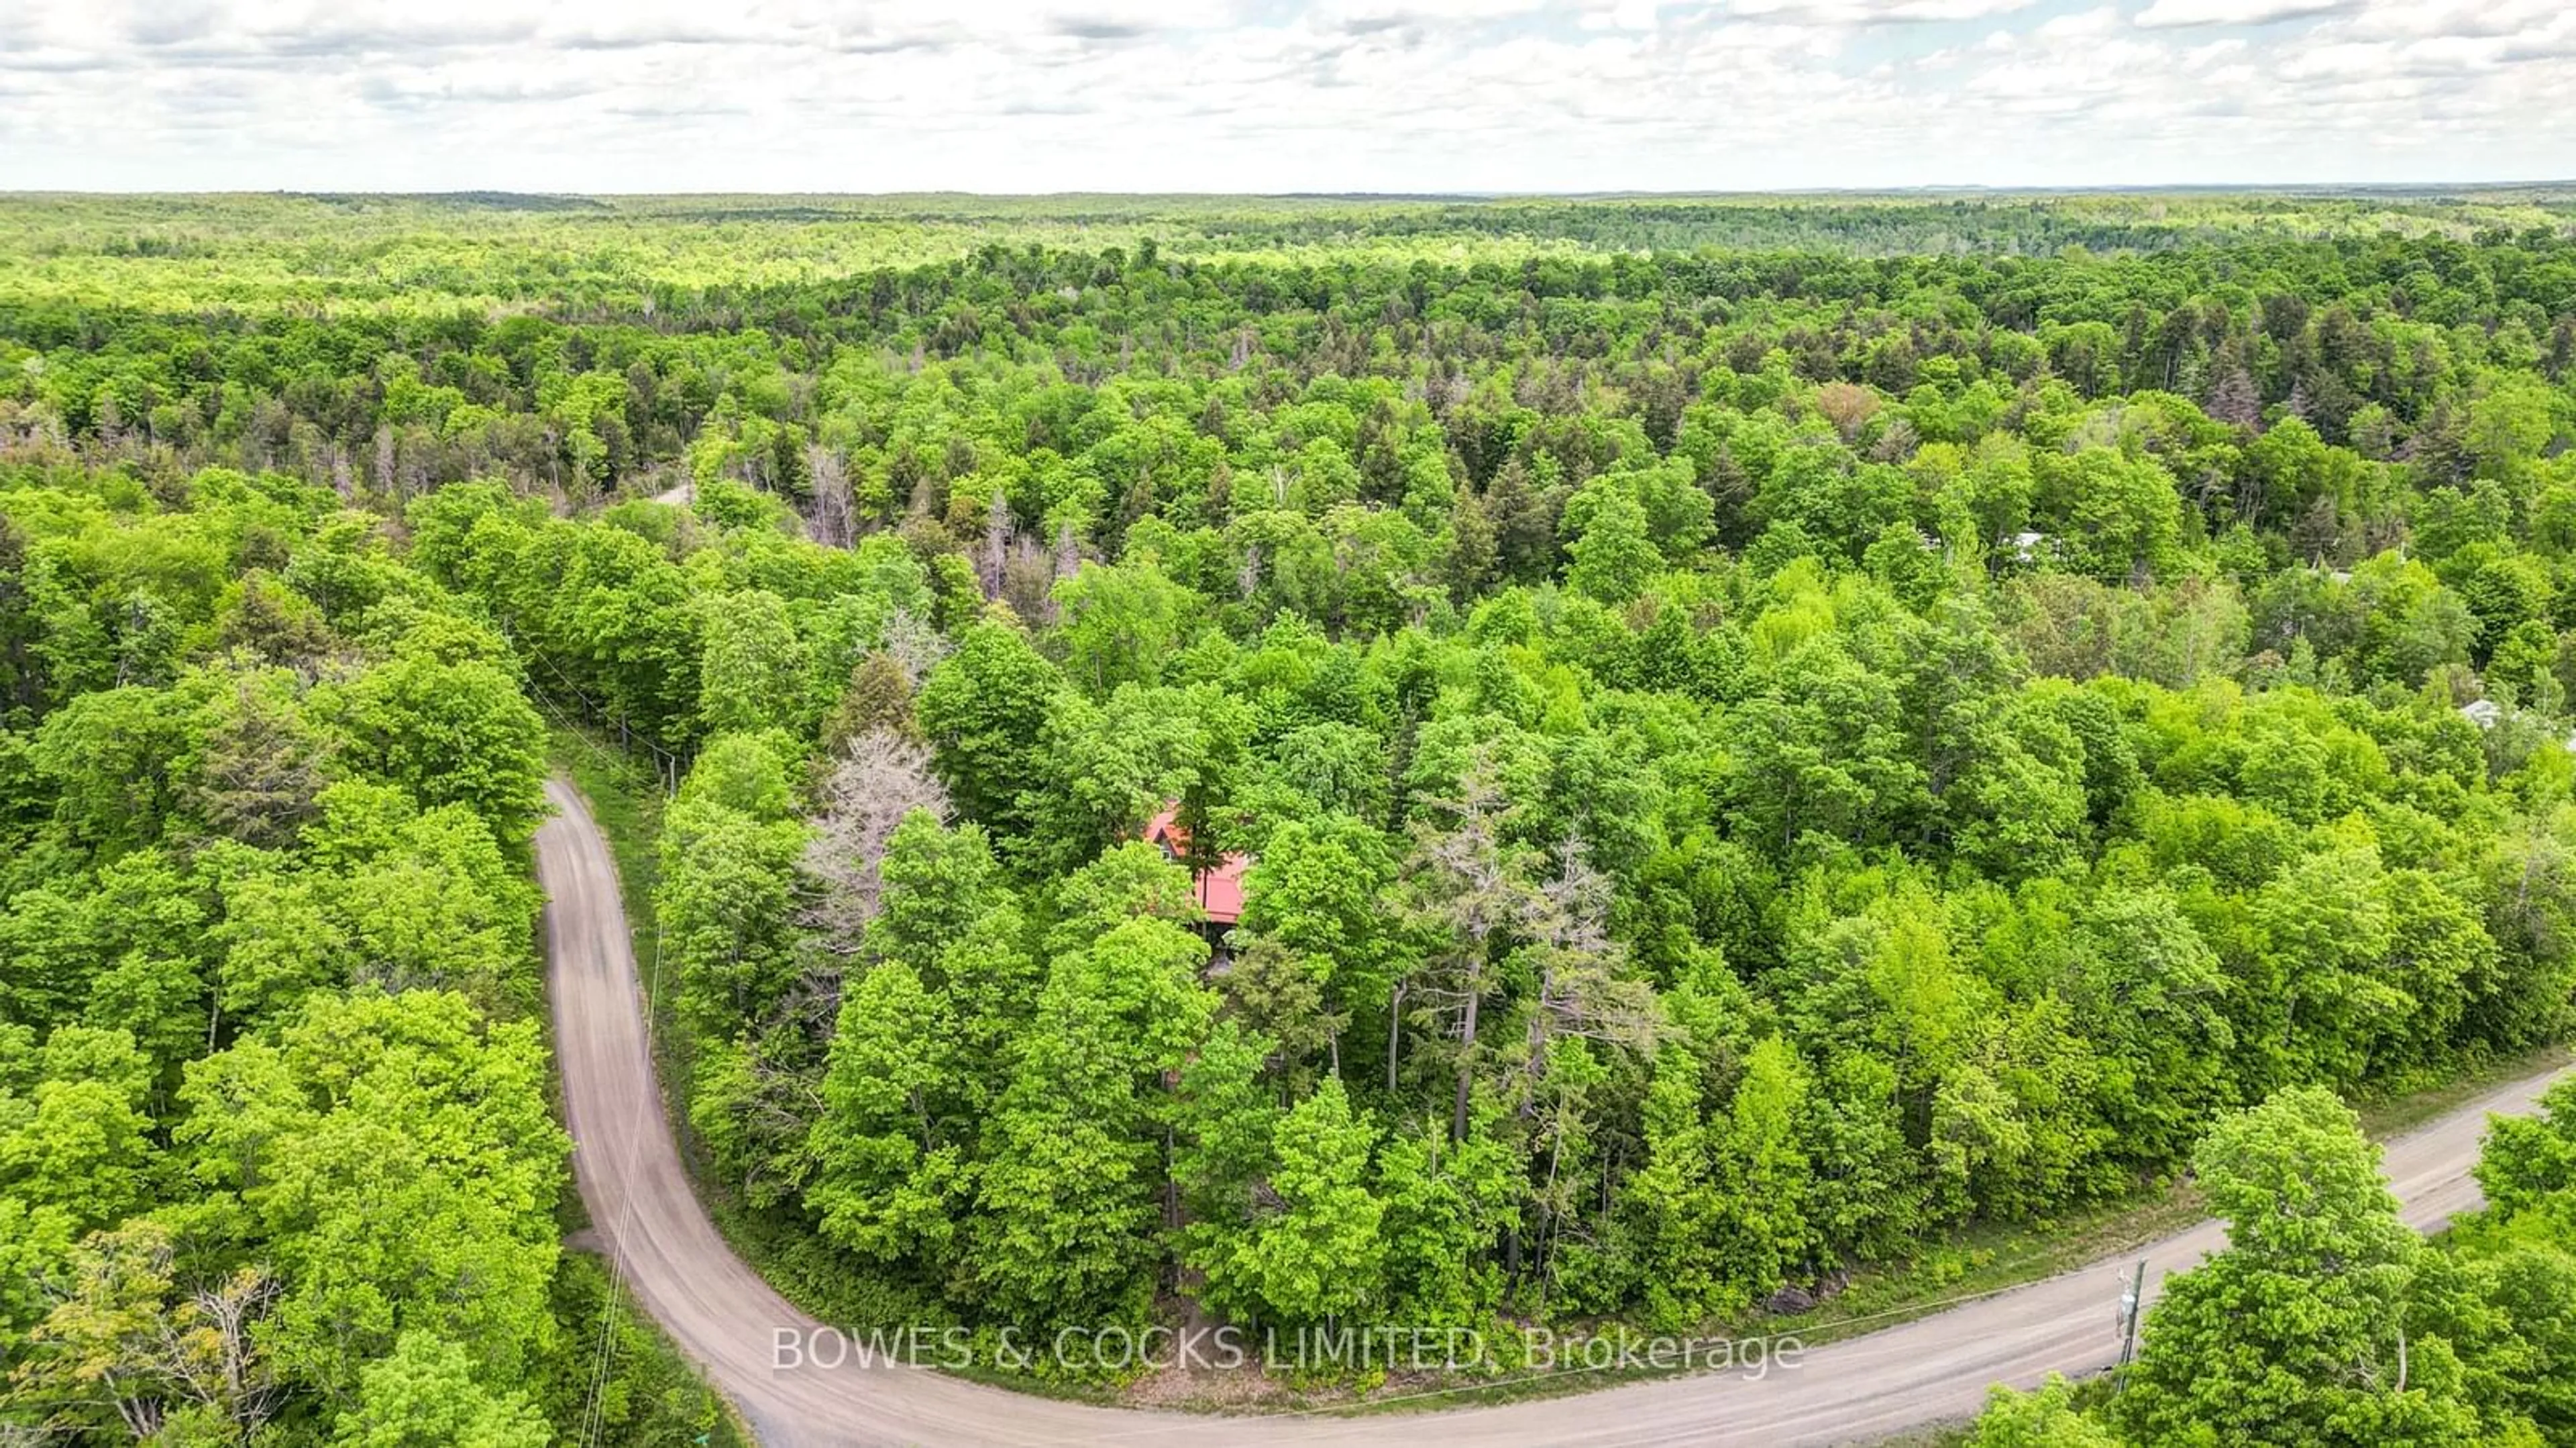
(1268, 95)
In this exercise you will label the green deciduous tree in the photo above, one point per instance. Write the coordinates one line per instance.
(1118, 624)
(78, 1141)
(424, 1394)
(450, 734)
(751, 666)
(1312, 1249)
(2047, 1418)
(1067, 1208)
(985, 711)
(2299, 1331)
(891, 1172)
(395, 1154)
(1613, 558)
(726, 900)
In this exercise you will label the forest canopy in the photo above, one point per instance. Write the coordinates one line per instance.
(1749, 733)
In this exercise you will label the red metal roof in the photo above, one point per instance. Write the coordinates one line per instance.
(1220, 891)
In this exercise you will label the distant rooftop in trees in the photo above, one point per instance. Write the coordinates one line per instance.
(1219, 890)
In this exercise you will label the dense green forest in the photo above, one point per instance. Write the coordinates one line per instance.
(1751, 734)
(276, 1158)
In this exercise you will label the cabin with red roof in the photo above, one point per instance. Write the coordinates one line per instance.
(1220, 889)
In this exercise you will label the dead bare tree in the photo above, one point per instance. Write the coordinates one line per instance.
(1468, 891)
(1247, 578)
(1580, 989)
(213, 1358)
(914, 643)
(1580, 992)
(880, 780)
(1068, 562)
(995, 550)
(1028, 580)
(835, 523)
(2232, 398)
(117, 1337)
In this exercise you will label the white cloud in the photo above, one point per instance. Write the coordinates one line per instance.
(1878, 12)
(1270, 95)
(2170, 13)
(2081, 24)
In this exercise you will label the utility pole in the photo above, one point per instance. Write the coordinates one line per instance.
(2132, 1299)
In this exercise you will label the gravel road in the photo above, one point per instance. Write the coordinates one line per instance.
(725, 1317)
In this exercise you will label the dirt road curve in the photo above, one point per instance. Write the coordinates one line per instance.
(725, 1317)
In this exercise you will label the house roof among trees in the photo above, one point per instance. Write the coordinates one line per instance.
(1219, 890)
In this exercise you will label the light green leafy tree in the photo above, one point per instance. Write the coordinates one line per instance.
(425, 1394)
(2299, 1331)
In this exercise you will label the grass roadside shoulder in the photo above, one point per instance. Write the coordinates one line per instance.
(2385, 1118)
(630, 1385)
